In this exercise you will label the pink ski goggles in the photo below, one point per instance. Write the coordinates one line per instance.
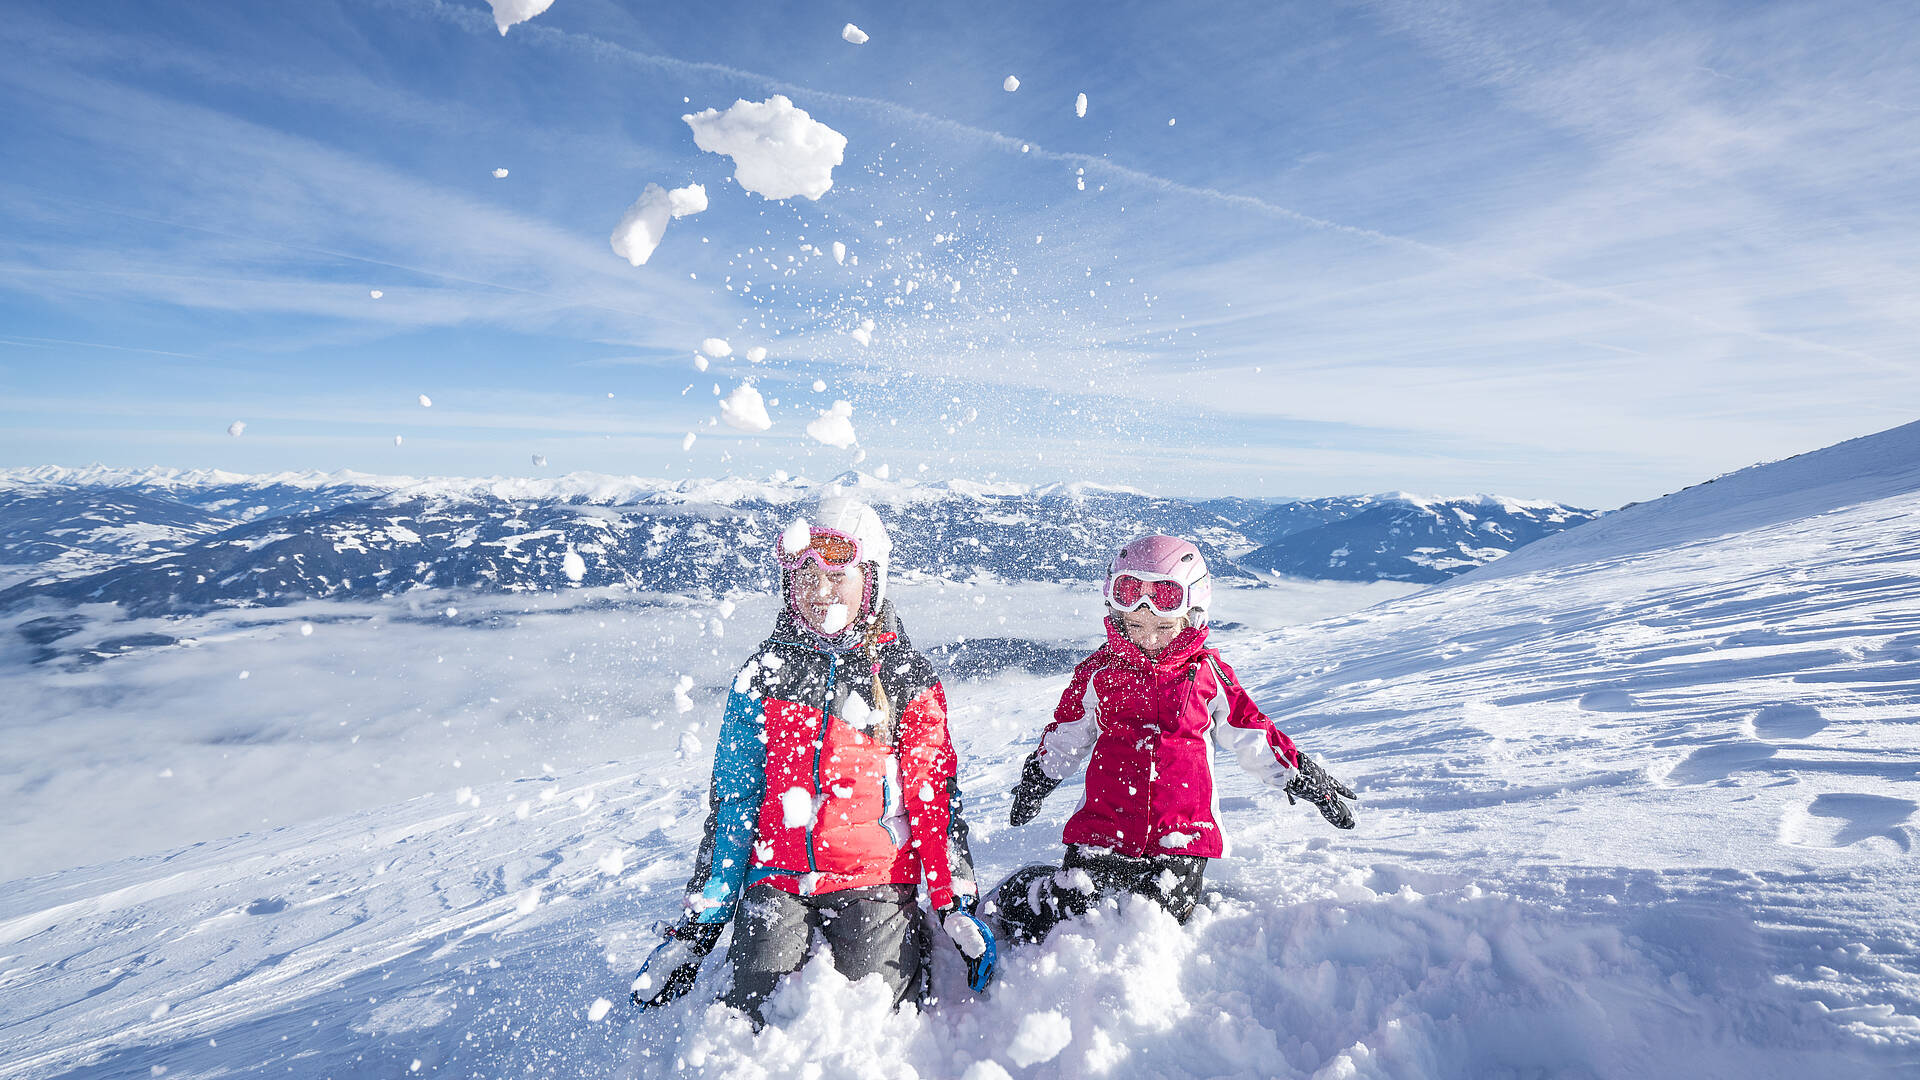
(831, 548)
(1163, 594)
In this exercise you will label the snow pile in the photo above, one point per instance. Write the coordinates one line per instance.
(745, 409)
(1338, 980)
(834, 426)
(645, 222)
(778, 150)
(514, 12)
(853, 35)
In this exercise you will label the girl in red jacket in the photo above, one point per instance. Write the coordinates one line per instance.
(1144, 715)
(833, 795)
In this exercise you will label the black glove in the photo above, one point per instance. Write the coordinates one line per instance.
(1034, 786)
(1314, 785)
(674, 963)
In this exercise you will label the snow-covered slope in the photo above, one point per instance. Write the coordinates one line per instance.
(1645, 809)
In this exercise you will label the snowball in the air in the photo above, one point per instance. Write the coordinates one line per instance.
(819, 386)
(745, 409)
(757, 354)
(426, 402)
(699, 362)
(716, 347)
(796, 536)
(835, 426)
(499, 174)
(778, 151)
(539, 461)
(234, 429)
(836, 618)
(375, 293)
(853, 35)
(642, 226)
(397, 440)
(510, 12)
(840, 253)
(1080, 105)
(861, 334)
(687, 443)
(573, 566)
(598, 1010)
(683, 201)
(1010, 85)
(796, 808)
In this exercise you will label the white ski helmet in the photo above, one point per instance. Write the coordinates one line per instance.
(849, 518)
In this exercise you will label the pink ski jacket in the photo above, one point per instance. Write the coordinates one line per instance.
(1146, 731)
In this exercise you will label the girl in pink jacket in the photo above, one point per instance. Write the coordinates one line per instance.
(1144, 715)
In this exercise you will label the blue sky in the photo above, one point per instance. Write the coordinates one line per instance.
(1590, 253)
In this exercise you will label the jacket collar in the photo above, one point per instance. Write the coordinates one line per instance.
(1179, 653)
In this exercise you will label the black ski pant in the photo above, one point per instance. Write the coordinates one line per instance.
(1037, 898)
(873, 929)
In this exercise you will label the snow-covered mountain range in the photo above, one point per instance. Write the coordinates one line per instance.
(1639, 802)
(159, 541)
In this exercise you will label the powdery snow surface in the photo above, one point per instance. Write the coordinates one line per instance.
(509, 13)
(778, 150)
(1643, 808)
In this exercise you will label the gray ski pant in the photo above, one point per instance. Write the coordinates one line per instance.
(874, 929)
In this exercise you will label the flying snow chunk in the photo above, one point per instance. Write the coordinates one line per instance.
(1010, 85)
(835, 426)
(778, 151)
(642, 226)
(375, 293)
(716, 347)
(745, 409)
(819, 386)
(539, 461)
(699, 362)
(513, 12)
(499, 174)
(836, 618)
(853, 35)
(840, 253)
(237, 428)
(687, 443)
(1080, 106)
(796, 536)
(756, 354)
(685, 201)
(796, 808)
(426, 402)
(861, 334)
(1040, 1037)
(573, 566)
(398, 439)
(598, 1010)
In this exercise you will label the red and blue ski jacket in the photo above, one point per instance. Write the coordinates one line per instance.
(814, 790)
(1150, 727)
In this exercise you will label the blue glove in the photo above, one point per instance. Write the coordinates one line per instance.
(975, 941)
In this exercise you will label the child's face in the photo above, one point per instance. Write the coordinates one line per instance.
(816, 589)
(1149, 629)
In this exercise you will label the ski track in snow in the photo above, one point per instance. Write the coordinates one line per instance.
(1648, 815)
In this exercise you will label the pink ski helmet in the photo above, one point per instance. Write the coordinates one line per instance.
(1164, 572)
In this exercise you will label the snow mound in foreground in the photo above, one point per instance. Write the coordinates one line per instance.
(1347, 983)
